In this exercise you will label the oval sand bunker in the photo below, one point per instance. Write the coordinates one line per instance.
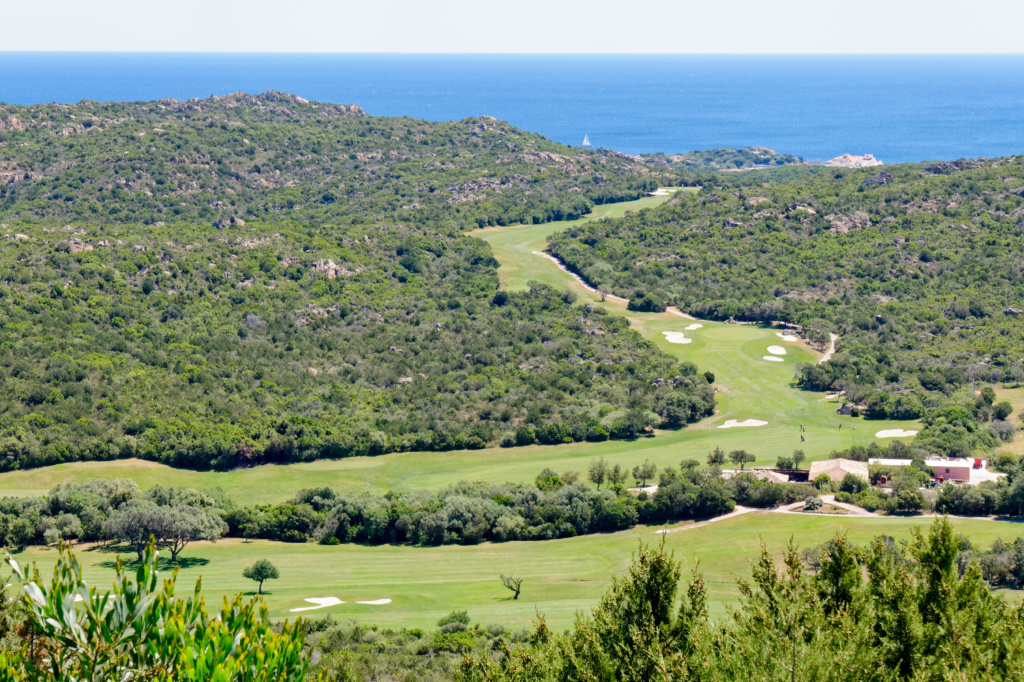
(730, 423)
(676, 337)
(694, 327)
(894, 433)
(771, 358)
(776, 350)
(786, 337)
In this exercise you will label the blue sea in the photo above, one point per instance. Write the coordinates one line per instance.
(900, 108)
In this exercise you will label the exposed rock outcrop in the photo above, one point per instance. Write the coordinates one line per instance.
(853, 161)
(946, 167)
(842, 224)
(882, 178)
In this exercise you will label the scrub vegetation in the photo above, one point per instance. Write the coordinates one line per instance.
(914, 267)
(247, 280)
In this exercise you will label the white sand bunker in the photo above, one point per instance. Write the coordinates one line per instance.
(894, 433)
(786, 337)
(729, 423)
(676, 337)
(375, 602)
(772, 358)
(693, 327)
(776, 350)
(321, 603)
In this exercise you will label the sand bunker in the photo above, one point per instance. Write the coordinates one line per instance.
(771, 358)
(375, 602)
(692, 327)
(776, 350)
(894, 433)
(749, 422)
(321, 603)
(676, 337)
(786, 337)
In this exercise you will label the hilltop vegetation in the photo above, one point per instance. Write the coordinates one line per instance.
(725, 159)
(277, 157)
(262, 279)
(916, 268)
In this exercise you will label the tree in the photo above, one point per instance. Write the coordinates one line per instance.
(260, 571)
(784, 462)
(689, 464)
(513, 583)
(617, 475)
(645, 471)
(798, 457)
(597, 472)
(1002, 410)
(716, 457)
(250, 531)
(136, 523)
(570, 477)
(1014, 497)
(741, 457)
(183, 525)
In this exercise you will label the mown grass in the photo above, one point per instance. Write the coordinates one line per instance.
(560, 576)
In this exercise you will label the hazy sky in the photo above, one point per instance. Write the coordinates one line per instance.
(666, 26)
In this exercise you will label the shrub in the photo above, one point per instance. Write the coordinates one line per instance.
(454, 617)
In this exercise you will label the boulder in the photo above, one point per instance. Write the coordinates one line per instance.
(882, 178)
(329, 268)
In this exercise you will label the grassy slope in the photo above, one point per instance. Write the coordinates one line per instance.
(750, 388)
(561, 576)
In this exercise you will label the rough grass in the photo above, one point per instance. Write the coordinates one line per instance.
(560, 576)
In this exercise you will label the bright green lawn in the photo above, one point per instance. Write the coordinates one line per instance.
(750, 388)
(561, 576)
(514, 246)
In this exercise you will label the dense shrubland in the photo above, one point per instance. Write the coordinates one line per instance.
(725, 159)
(916, 268)
(277, 157)
(190, 314)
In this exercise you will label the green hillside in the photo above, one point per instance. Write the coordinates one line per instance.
(247, 280)
(915, 267)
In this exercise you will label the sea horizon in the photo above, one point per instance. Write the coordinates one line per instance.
(899, 107)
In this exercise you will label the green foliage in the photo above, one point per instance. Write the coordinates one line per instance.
(461, 617)
(913, 614)
(263, 279)
(261, 571)
(918, 276)
(726, 159)
(141, 629)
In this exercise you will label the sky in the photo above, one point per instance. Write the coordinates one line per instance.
(517, 26)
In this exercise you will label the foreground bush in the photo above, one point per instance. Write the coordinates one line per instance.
(889, 612)
(141, 630)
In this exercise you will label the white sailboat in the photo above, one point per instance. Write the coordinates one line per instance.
(586, 140)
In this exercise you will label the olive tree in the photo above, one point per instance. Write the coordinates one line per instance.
(513, 583)
(260, 571)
